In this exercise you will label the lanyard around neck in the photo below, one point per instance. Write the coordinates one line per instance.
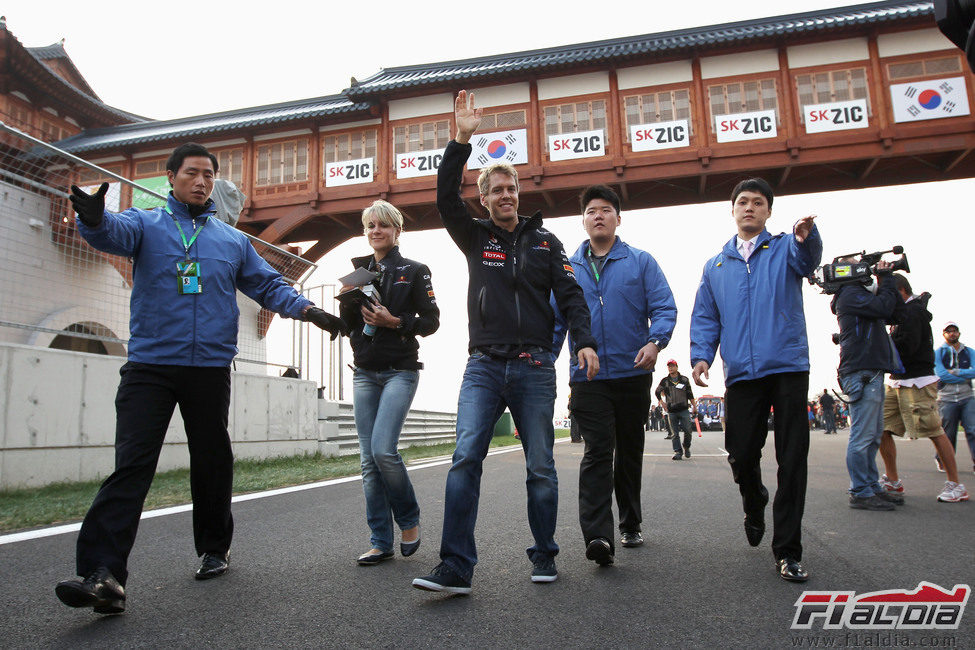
(592, 264)
(182, 235)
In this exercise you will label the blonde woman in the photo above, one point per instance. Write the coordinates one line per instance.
(386, 375)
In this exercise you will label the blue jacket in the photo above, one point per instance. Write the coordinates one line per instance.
(194, 329)
(631, 290)
(754, 310)
(945, 359)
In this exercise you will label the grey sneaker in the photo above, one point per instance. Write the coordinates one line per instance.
(544, 570)
(893, 497)
(870, 503)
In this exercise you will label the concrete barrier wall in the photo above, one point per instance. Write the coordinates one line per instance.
(57, 413)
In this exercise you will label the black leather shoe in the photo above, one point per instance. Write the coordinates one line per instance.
(600, 552)
(754, 529)
(100, 591)
(214, 565)
(409, 548)
(368, 559)
(632, 539)
(791, 570)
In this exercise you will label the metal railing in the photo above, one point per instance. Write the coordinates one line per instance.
(57, 291)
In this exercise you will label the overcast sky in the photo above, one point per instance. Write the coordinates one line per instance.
(182, 59)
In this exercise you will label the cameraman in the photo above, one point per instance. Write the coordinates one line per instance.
(866, 353)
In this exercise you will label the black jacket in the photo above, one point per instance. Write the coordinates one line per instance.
(511, 274)
(913, 338)
(407, 293)
(676, 392)
(864, 342)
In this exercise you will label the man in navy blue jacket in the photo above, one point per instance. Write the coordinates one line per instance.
(750, 303)
(624, 289)
(186, 270)
(866, 353)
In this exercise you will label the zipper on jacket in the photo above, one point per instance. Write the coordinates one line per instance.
(514, 280)
(195, 338)
(602, 329)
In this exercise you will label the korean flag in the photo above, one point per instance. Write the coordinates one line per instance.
(501, 146)
(929, 100)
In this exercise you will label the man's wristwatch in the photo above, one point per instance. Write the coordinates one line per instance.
(657, 343)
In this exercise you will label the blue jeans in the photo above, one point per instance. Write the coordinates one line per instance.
(680, 420)
(527, 387)
(866, 427)
(954, 412)
(381, 400)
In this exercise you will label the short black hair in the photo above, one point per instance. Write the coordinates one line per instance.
(184, 151)
(603, 192)
(759, 185)
(900, 282)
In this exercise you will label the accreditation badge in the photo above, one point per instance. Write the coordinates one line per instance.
(188, 278)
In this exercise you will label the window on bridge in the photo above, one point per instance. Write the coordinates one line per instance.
(348, 146)
(422, 136)
(657, 107)
(502, 120)
(744, 97)
(832, 86)
(923, 67)
(282, 162)
(231, 166)
(576, 117)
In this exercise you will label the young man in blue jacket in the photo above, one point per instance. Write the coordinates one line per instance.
(749, 303)
(954, 363)
(186, 270)
(624, 289)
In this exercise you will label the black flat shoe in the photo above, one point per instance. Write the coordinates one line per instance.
(368, 559)
(791, 570)
(409, 548)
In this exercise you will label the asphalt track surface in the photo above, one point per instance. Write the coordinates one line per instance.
(695, 583)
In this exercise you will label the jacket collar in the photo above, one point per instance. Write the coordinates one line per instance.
(619, 251)
(392, 258)
(533, 222)
(180, 209)
(731, 247)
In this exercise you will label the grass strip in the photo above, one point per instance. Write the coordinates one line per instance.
(69, 501)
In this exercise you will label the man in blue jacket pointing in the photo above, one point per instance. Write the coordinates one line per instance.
(186, 269)
(749, 303)
(625, 290)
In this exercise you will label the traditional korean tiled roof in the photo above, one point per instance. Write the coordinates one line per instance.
(363, 94)
(204, 125)
(823, 21)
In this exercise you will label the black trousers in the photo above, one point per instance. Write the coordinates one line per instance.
(747, 406)
(611, 413)
(144, 404)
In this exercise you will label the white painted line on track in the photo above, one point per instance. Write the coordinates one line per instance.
(64, 529)
(693, 456)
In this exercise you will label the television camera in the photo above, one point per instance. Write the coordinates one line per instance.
(854, 268)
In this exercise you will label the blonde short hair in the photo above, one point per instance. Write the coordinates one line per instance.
(384, 212)
(484, 180)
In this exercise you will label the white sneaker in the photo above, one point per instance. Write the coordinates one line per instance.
(953, 493)
(938, 464)
(892, 486)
